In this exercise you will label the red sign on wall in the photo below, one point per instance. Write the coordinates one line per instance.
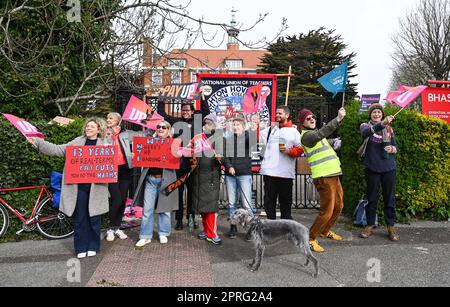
(436, 103)
(91, 164)
(152, 152)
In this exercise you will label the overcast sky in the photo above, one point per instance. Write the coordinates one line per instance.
(365, 25)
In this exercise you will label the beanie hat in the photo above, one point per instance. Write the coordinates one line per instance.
(302, 115)
(376, 106)
(212, 117)
(240, 118)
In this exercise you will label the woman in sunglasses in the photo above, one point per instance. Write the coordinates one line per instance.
(156, 180)
(326, 169)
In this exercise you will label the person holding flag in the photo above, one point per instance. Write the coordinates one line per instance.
(326, 169)
(206, 182)
(380, 168)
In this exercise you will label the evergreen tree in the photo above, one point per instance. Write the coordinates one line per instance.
(311, 56)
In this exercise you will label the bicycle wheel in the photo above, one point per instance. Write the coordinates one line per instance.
(4, 220)
(51, 223)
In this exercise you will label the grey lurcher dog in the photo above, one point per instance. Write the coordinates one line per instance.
(267, 232)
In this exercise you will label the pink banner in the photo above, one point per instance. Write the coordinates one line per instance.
(405, 95)
(199, 144)
(255, 99)
(27, 129)
(136, 112)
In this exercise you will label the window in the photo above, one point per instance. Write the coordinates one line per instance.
(193, 77)
(177, 63)
(176, 77)
(157, 77)
(233, 64)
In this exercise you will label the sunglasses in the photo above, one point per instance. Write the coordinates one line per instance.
(161, 127)
(309, 118)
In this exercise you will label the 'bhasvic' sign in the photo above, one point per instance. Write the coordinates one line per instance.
(436, 103)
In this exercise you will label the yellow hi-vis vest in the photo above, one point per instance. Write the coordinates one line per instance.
(322, 159)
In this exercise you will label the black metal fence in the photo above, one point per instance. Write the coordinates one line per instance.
(304, 192)
(305, 195)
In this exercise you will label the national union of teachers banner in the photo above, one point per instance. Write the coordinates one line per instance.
(227, 95)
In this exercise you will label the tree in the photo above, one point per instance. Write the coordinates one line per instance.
(60, 56)
(311, 56)
(422, 45)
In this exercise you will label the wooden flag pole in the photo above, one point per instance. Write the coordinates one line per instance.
(343, 99)
(399, 112)
(288, 85)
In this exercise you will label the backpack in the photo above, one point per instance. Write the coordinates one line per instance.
(55, 183)
(359, 215)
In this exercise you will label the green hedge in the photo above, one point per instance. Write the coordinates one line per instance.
(423, 178)
(24, 166)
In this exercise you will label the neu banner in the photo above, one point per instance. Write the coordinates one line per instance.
(228, 94)
(27, 129)
(436, 103)
(91, 164)
(152, 152)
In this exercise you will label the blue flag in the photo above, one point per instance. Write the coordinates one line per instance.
(336, 80)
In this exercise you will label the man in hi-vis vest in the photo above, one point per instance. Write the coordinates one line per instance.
(326, 169)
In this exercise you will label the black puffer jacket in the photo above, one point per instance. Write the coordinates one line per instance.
(206, 181)
(238, 153)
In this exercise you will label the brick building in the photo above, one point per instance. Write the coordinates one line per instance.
(182, 66)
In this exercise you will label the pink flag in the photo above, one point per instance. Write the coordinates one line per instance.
(27, 129)
(405, 95)
(255, 99)
(136, 112)
(392, 95)
(154, 121)
(199, 143)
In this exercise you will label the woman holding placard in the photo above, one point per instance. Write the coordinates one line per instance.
(151, 183)
(122, 139)
(86, 203)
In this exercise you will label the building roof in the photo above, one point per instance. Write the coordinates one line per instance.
(210, 58)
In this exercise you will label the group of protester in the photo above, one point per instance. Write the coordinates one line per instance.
(283, 143)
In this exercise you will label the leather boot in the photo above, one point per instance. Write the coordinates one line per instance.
(393, 235)
(367, 232)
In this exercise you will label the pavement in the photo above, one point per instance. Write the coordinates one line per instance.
(420, 259)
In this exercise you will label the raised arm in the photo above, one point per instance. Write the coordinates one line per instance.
(162, 111)
(48, 148)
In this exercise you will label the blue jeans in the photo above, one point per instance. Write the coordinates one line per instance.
(239, 185)
(152, 190)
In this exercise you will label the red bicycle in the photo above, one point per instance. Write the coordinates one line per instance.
(50, 222)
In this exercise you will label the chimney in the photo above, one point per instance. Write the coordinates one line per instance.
(148, 53)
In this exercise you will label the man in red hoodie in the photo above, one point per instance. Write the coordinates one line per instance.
(283, 147)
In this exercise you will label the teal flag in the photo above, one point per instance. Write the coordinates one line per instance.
(336, 80)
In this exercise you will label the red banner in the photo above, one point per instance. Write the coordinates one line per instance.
(27, 129)
(152, 152)
(436, 103)
(91, 164)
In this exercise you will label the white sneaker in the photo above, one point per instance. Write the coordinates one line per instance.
(121, 235)
(91, 254)
(110, 235)
(143, 243)
(163, 240)
(81, 255)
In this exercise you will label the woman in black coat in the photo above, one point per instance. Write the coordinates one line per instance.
(206, 183)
